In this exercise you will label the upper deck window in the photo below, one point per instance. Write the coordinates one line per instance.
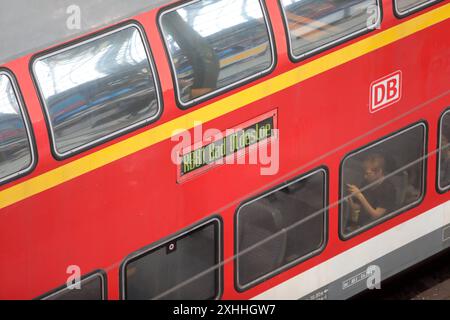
(406, 7)
(382, 180)
(281, 228)
(183, 268)
(97, 89)
(16, 151)
(315, 25)
(216, 44)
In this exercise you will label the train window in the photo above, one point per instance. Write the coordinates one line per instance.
(97, 89)
(16, 150)
(382, 180)
(92, 287)
(315, 25)
(214, 45)
(281, 228)
(406, 7)
(183, 268)
(444, 153)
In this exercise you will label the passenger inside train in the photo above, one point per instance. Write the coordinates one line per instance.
(383, 179)
(377, 198)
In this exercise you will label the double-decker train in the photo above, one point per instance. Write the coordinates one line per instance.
(222, 149)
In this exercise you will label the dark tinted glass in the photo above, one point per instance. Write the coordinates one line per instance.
(178, 270)
(97, 89)
(316, 24)
(92, 288)
(444, 153)
(280, 228)
(15, 149)
(383, 179)
(216, 43)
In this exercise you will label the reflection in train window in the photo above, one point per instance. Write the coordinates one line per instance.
(97, 89)
(16, 151)
(318, 24)
(405, 7)
(281, 228)
(215, 44)
(92, 287)
(184, 268)
(444, 153)
(382, 179)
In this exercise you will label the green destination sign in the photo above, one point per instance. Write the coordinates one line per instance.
(230, 144)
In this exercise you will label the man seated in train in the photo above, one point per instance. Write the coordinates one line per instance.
(378, 196)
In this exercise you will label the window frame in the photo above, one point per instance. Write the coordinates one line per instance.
(330, 45)
(215, 221)
(218, 92)
(85, 40)
(400, 15)
(375, 223)
(97, 273)
(242, 288)
(439, 188)
(28, 127)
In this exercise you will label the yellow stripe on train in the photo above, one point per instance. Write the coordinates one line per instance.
(219, 108)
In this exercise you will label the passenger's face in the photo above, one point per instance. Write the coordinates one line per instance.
(372, 172)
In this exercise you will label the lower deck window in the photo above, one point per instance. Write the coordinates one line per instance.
(382, 179)
(184, 268)
(281, 228)
(92, 287)
(444, 153)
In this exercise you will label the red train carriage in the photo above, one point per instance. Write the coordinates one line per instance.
(225, 149)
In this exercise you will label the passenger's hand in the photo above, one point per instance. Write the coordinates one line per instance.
(353, 205)
(354, 191)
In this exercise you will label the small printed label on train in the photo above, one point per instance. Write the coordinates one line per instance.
(227, 145)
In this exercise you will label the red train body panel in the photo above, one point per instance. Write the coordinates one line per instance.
(97, 218)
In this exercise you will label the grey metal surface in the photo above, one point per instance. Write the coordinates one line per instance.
(389, 265)
(32, 25)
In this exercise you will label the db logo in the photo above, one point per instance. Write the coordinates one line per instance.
(385, 91)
